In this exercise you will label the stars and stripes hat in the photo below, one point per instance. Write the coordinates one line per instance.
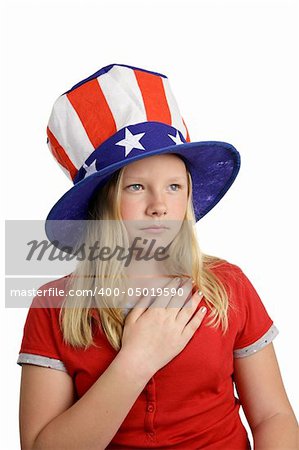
(118, 115)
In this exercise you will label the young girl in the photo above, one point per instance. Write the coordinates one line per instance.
(151, 334)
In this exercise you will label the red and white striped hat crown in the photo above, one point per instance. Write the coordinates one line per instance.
(111, 99)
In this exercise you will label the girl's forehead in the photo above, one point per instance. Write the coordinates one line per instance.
(157, 161)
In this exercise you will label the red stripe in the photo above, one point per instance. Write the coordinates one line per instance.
(187, 137)
(94, 112)
(154, 98)
(60, 154)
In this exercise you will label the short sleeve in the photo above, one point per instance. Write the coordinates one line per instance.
(255, 327)
(40, 342)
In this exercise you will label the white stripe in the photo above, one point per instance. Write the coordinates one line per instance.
(123, 96)
(66, 126)
(176, 118)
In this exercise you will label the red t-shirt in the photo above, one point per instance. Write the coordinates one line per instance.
(189, 403)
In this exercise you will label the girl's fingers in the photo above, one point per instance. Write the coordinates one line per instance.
(147, 301)
(196, 320)
(183, 294)
(167, 291)
(190, 307)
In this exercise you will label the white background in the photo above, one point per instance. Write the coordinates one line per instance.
(233, 67)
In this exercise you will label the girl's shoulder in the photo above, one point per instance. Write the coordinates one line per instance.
(51, 294)
(233, 278)
(226, 268)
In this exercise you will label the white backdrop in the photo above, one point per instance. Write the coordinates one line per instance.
(233, 67)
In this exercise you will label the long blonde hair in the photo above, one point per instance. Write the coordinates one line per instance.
(76, 321)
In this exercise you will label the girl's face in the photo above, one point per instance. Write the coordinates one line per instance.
(154, 189)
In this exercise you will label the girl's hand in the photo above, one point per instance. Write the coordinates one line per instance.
(155, 333)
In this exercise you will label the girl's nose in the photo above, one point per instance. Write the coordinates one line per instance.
(156, 203)
(157, 206)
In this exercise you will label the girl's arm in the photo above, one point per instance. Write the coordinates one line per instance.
(265, 402)
(279, 432)
(94, 419)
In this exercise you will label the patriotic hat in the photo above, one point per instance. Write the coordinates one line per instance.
(118, 115)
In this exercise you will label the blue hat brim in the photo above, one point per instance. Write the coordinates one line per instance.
(213, 166)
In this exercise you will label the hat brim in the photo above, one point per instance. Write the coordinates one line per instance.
(213, 166)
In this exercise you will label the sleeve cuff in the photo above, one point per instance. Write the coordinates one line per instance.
(258, 345)
(38, 360)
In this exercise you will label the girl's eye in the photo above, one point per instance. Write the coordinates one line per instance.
(136, 184)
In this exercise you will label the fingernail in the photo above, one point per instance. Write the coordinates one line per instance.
(199, 293)
(203, 309)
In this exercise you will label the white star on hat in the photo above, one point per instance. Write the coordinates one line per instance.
(131, 141)
(176, 139)
(90, 169)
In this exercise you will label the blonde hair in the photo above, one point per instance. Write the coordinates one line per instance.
(76, 321)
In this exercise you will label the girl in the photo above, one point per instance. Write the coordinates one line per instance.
(148, 341)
